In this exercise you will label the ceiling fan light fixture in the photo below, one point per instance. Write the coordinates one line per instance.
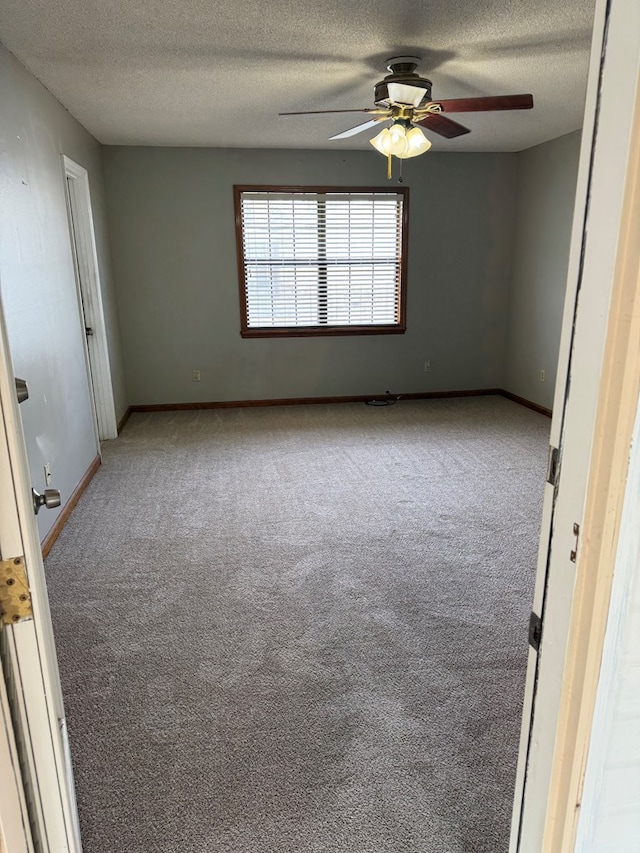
(401, 142)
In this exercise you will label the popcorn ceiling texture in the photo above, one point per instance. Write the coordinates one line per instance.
(202, 73)
(302, 629)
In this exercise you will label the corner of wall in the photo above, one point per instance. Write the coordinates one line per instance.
(545, 190)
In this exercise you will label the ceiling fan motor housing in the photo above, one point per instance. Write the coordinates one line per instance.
(396, 88)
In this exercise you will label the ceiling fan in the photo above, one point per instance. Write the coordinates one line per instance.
(404, 98)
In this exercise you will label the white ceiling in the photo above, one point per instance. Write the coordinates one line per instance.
(204, 72)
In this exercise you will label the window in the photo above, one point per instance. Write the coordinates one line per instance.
(321, 260)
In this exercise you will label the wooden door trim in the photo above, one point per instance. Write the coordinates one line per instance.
(615, 419)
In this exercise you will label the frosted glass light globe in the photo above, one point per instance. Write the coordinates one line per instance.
(396, 140)
(417, 143)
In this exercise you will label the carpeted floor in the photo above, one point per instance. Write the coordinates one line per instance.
(294, 630)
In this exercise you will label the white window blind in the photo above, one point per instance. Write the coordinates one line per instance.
(322, 259)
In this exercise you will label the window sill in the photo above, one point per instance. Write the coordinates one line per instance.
(324, 331)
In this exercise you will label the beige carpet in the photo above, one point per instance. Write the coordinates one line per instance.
(295, 630)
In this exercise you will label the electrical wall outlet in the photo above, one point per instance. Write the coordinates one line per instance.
(427, 365)
(195, 375)
(542, 376)
(47, 474)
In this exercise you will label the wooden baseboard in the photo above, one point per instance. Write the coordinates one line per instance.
(521, 400)
(61, 520)
(305, 401)
(123, 420)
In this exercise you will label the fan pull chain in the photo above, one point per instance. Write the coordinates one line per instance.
(388, 167)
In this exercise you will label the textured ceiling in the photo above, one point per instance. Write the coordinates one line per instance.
(204, 72)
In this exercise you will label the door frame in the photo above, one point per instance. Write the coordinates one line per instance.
(604, 521)
(83, 245)
(595, 402)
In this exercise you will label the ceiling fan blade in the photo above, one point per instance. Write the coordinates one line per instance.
(480, 105)
(443, 125)
(324, 112)
(359, 128)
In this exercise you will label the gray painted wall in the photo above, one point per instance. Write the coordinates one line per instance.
(173, 243)
(37, 280)
(546, 190)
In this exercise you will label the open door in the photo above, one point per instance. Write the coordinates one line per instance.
(587, 363)
(31, 686)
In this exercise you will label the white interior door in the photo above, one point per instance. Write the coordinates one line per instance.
(28, 652)
(86, 320)
(83, 245)
(600, 192)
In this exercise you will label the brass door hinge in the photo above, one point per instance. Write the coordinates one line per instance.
(15, 598)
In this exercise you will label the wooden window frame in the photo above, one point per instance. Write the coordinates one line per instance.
(398, 328)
